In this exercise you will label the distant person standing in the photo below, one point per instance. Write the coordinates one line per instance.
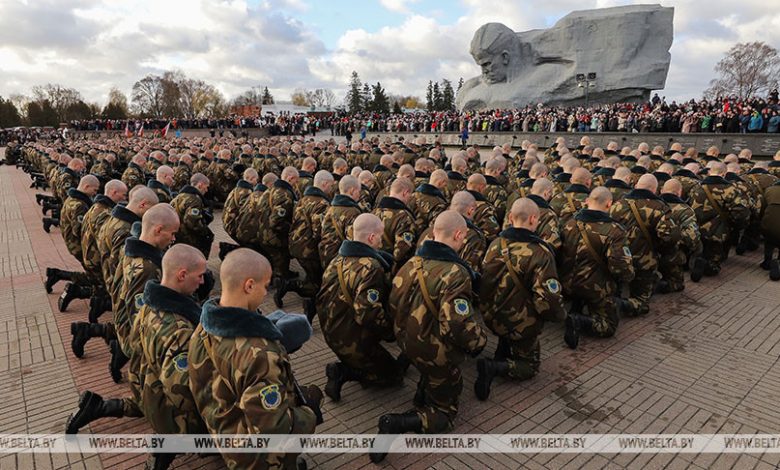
(464, 135)
(363, 131)
(348, 136)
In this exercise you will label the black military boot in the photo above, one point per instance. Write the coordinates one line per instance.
(46, 207)
(83, 332)
(310, 309)
(98, 304)
(402, 363)
(48, 222)
(281, 290)
(91, 407)
(159, 461)
(572, 334)
(338, 374)
(118, 360)
(71, 292)
(53, 276)
(225, 248)
(774, 270)
(396, 424)
(487, 370)
(769, 252)
(697, 270)
(419, 395)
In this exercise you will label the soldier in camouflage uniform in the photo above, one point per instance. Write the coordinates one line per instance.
(595, 259)
(435, 326)
(400, 232)
(276, 207)
(549, 228)
(222, 175)
(233, 205)
(619, 184)
(770, 229)
(162, 183)
(135, 175)
(182, 173)
(672, 266)
(519, 291)
(236, 346)
(719, 206)
(495, 192)
(162, 329)
(572, 198)
(352, 314)
(98, 213)
(195, 217)
(688, 176)
(428, 200)
(74, 209)
(338, 218)
(652, 234)
(761, 179)
(456, 177)
(140, 261)
(485, 216)
(304, 240)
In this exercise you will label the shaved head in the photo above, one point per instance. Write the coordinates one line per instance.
(269, 179)
(368, 229)
(543, 188)
(348, 184)
(116, 190)
(244, 276)
(183, 267)
(447, 223)
(160, 215)
(141, 199)
(89, 184)
(648, 182)
(524, 213)
(581, 176)
(623, 174)
(250, 176)
(463, 202)
(672, 186)
(439, 178)
(599, 199)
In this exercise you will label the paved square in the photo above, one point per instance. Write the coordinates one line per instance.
(703, 361)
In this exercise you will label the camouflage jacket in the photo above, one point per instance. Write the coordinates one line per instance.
(594, 263)
(164, 193)
(560, 181)
(549, 226)
(194, 218)
(223, 178)
(337, 226)
(770, 220)
(139, 262)
(111, 240)
(276, 213)
(97, 214)
(353, 296)
(426, 203)
(652, 232)
(688, 180)
(133, 176)
(266, 164)
(761, 178)
(774, 168)
(181, 176)
(163, 328)
(383, 175)
(435, 322)
(456, 182)
(602, 175)
(568, 202)
(242, 382)
(65, 181)
(750, 192)
(497, 195)
(513, 310)
(473, 249)
(248, 224)
(305, 179)
(233, 206)
(400, 232)
(729, 210)
(72, 215)
(306, 229)
(485, 216)
(685, 219)
(200, 166)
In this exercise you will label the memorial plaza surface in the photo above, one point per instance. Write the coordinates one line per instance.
(703, 361)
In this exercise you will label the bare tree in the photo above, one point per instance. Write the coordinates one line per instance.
(747, 70)
(62, 99)
(148, 96)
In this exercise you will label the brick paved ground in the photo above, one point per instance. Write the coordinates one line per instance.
(702, 361)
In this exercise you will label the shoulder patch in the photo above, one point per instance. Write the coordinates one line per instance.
(373, 296)
(194, 212)
(553, 285)
(180, 362)
(461, 307)
(408, 237)
(270, 396)
(80, 219)
(139, 301)
(627, 251)
(281, 211)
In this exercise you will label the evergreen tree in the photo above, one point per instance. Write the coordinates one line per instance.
(379, 102)
(354, 97)
(267, 97)
(42, 114)
(460, 83)
(429, 96)
(365, 97)
(9, 115)
(447, 96)
(437, 97)
(397, 108)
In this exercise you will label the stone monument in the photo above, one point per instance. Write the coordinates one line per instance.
(612, 54)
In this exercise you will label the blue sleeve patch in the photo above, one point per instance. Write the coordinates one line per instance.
(373, 296)
(461, 307)
(553, 286)
(180, 362)
(270, 396)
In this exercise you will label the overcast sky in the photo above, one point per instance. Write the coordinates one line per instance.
(92, 45)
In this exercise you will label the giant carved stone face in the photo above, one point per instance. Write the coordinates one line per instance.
(494, 66)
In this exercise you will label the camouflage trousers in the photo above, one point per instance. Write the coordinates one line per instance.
(442, 387)
(311, 285)
(279, 256)
(640, 290)
(367, 359)
(522, 356)
(131, 406)
(602, 314)
(673, 274)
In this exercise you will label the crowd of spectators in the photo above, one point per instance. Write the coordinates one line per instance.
(720, 115)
